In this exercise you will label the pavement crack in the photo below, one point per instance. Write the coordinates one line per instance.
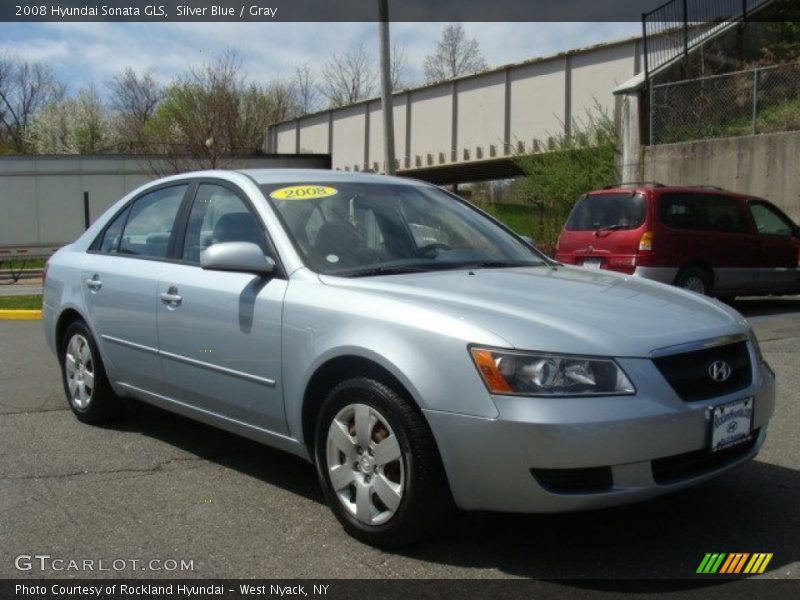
(135, 472)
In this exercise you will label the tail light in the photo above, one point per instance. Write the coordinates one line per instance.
(646, 242)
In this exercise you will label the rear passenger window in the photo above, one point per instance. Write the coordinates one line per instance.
(109, 242)
(150, 223)
(705, 212)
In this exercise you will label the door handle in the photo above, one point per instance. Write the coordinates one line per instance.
(171, 297)
(94, 283)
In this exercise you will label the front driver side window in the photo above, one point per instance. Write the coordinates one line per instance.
(769, 221)
(219, 215)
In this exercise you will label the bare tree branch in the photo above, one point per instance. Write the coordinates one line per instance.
(455, 55)
(133, 101)
(25, 87)
(348, 77)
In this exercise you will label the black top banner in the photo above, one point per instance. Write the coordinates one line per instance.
(336, 10)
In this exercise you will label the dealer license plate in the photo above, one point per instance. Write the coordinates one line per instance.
(592, 263)
(731, 424)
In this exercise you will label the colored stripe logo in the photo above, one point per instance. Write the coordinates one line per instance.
(734, 563)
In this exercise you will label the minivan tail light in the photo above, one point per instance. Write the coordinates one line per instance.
(646, 241)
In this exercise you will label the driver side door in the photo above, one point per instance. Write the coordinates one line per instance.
(220, 332)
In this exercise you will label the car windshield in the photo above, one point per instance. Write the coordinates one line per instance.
(359, 229)
(607, 211)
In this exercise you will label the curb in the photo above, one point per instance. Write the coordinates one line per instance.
(20, 315)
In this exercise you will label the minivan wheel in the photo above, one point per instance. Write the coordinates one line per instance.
(694, 279)
(378, 465)
(85, 383)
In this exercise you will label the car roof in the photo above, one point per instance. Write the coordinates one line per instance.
(273, 176)
(661, 189)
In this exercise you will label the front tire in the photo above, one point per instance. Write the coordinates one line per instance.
(86, 385)
(378, 465)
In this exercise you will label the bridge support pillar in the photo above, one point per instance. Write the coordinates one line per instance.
(629, 157)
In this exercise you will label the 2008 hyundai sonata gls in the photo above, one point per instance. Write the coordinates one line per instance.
(413, 348)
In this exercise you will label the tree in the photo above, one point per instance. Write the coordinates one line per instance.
(399, 61)
(78, 125)
(305, 89)
(212, 114)
(578, 162)
(133, 101)
(348, 77)
(455, 55)
(25, 87)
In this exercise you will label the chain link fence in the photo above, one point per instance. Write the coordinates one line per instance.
(762, 100)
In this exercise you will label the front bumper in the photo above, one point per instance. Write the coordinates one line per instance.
(490, 463)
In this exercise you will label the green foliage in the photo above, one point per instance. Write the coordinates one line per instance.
(213, 113)
(577, 163)
(21, 302)
(522, 218)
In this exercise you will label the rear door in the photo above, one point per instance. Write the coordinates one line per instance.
(119, 279)
(220, 332)
(778, 248)
(709, 228)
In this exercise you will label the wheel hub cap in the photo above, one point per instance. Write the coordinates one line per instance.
(365, 464)
(79, 370)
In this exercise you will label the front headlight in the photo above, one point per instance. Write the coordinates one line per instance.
(541, 374)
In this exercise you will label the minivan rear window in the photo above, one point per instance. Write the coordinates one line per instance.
(603, 211)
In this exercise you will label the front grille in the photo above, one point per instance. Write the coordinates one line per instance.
(672, 469)
(574, 481)
(688, 373)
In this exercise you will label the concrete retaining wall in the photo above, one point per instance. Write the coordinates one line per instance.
(765, 165)
(41, 197)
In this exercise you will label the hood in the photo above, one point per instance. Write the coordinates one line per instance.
(561, 309)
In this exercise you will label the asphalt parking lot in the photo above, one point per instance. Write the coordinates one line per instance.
(157, 486)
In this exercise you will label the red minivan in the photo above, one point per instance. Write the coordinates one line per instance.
(701, 238)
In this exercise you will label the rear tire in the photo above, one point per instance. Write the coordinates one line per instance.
(694, 279)
(86, 385)
(378, 465)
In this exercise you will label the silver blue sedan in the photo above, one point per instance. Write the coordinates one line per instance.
(421, 354)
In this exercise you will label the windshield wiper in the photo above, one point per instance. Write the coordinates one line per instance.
(495, 264)
(386, 270)
(611, 227)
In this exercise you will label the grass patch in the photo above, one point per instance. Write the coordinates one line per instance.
(519, 217)
(30, 263)
(33, 302)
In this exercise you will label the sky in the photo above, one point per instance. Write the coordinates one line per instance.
(85, 53)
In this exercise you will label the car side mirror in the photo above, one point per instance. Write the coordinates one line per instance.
(242, 257)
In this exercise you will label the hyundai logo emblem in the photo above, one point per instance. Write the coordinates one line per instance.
(719, 371)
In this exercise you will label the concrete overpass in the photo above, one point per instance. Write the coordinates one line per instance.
(469, 128)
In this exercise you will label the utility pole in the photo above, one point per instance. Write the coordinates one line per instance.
(386, 89)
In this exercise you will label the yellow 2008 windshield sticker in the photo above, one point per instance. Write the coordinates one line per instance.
(304, 192)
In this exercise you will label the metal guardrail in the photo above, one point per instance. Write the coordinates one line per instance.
(16, 274)
(677, 26)
(760, 100)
